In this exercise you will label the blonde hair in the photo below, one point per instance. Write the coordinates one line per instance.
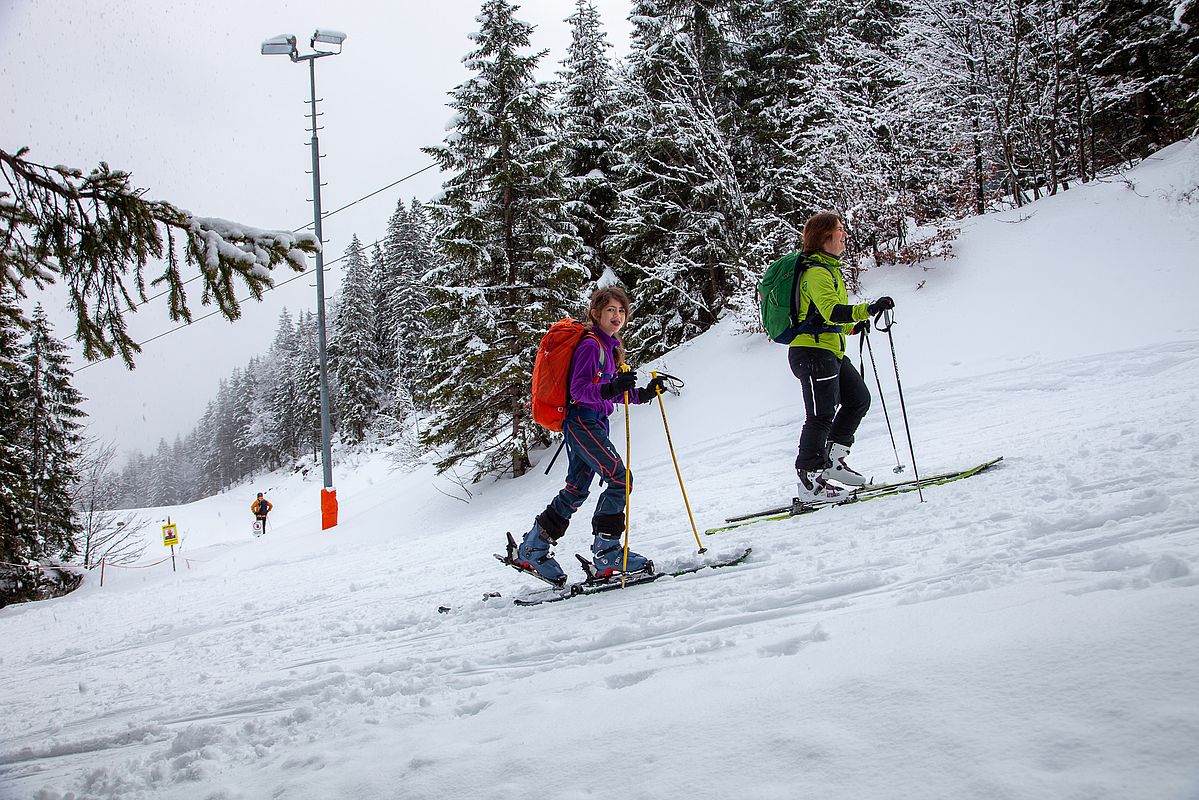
(601, 299)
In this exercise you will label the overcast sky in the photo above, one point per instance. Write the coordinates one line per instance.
(178, 94)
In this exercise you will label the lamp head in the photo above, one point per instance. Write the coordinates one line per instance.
(328, 37)
(282, 45)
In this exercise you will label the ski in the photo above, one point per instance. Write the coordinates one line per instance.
(868, 489)
(860, 495)
(598, 585)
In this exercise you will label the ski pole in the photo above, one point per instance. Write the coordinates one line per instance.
(882, 399)
(557, 453)
(683, 489)
(890, 320)
(628, 459)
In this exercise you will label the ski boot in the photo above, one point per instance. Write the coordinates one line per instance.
(536, 555)
(838, 470)
(607, 551)
(815, 490)
(607, 557)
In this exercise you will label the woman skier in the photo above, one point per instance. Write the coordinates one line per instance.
(834, 394)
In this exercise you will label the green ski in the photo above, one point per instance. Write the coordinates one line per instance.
(858, 496)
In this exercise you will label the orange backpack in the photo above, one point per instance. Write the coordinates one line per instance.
(551, 372)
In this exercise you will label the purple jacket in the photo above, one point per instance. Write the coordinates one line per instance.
(586, 376)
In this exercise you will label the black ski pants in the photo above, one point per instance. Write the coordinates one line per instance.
(835, 398)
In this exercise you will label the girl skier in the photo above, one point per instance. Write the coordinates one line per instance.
(596, 384)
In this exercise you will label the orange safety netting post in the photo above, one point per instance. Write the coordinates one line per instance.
(328, 508)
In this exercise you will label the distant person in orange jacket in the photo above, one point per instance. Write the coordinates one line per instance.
(261, 507)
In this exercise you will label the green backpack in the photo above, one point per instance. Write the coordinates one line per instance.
(778, 300)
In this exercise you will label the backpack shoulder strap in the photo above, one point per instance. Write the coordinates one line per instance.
(801, 264)
(812, 323)
(571, 368)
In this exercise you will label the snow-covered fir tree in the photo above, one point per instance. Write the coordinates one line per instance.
(16, 544)
(778, 107)
(512, 265)
(381, 333)
(254, 434)
(187, 475)
(306, 375)
(588, 106)
(51, 429)
(358, 371)
(681, 233)
(284, 392)
(217, 432)
(165, 480)
(408, 256)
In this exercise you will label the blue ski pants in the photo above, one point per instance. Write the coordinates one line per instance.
(590, 452)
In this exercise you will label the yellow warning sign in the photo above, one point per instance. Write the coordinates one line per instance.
(170, 535)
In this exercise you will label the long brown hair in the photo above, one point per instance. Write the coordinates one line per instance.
(601, 299)
(817, 230)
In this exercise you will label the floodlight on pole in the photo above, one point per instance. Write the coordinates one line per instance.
(285, 44)
(281, 45)
(327, 37)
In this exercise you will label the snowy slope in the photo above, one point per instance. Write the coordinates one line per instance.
(1032, 632)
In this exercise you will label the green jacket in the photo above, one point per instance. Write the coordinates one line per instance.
(825, 290)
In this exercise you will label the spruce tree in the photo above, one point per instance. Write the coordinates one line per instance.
(358, 372)
(408, 257)
(590, 161)
(16, 542)
(868, 153)
(306, 378)
(209, 458)
(254, 435)
(681, 234)
(389, 281)
(283, 431)
(165, 488)
(51, 431)
(382, 336)
(779, 110)
(511, 259)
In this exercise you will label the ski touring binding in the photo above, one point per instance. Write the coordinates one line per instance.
(511, 560)
(594, 578)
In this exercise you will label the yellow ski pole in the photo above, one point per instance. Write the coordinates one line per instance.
(628, 457)
(683, 489)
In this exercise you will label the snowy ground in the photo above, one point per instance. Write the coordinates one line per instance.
(1032, 632)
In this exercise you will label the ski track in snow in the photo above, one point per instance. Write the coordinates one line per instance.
(385, 655)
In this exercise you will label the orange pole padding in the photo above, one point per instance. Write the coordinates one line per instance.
(328, 508)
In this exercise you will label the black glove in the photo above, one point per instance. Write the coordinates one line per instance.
(884, 303)
(861, 327)
(656, 385)
(623, 382)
